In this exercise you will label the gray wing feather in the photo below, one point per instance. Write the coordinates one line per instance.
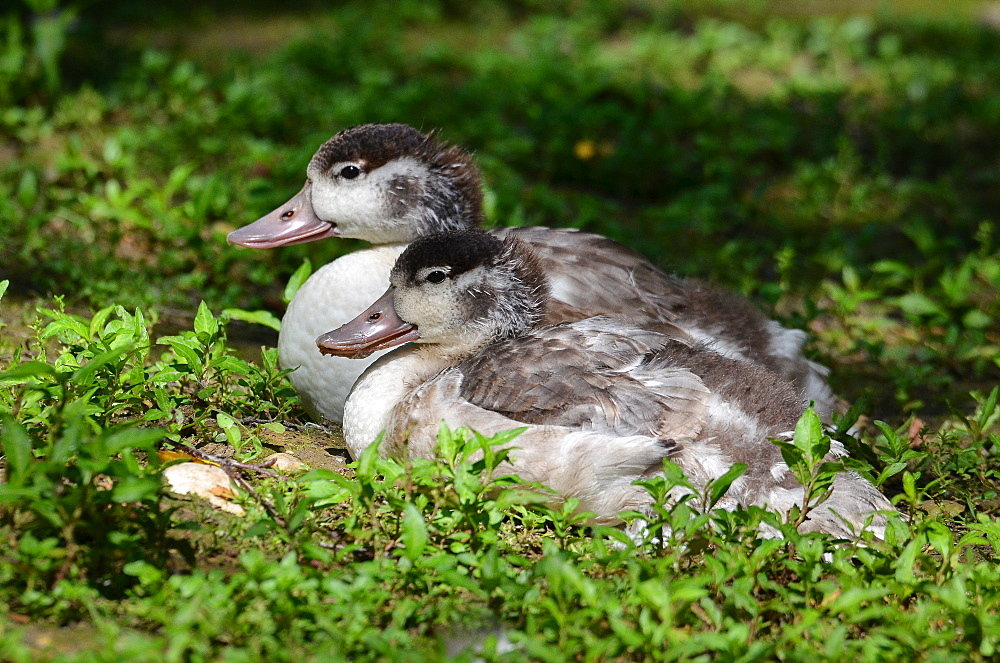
(567, 376)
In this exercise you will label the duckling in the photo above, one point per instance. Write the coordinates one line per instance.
(390, 184)
(604, 401)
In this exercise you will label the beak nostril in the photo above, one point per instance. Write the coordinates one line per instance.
(287, 214)
(374, 317)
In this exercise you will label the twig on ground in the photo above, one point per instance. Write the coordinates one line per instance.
(290, 425)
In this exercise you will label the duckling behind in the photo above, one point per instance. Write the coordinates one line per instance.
(389, 184)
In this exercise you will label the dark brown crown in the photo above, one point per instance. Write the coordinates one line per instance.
(463, 250)
(374, 145)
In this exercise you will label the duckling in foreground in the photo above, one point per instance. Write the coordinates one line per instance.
(390, 184)
(604, 401)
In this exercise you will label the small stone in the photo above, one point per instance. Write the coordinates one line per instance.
(286, 463)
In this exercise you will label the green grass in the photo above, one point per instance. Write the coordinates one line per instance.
(838, 169)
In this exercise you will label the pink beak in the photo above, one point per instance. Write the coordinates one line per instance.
(377, 328)
(295, 222)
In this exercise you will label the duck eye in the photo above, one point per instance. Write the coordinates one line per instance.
(350, 172)
(436, 276)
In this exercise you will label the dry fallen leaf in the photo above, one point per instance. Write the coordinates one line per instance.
(207, 481)
(224, 493)
(167, 455)
(915, 432)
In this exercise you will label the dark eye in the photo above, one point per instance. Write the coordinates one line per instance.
(350, 172)
(436, 276)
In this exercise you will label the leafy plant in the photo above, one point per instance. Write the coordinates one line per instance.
(81, 495)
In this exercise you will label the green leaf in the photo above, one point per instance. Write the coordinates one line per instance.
(184, 349)
(133, 438)
(976, 319)
(205, 323)
(144, 571)
(298, 516)
(265, 318)
(890, 470)
(66, 323)
(16, 447)
(722, 484)
(84, 374)
(233, 434)
(850, 601)
(12, 494)
(909, 486)
(809, 435)
(447, 443)
(167, 375)
(988, 408)
(505, 436)
(97, 322)
(232, 364)
(904, 564)
(915, 304)
(940, 537)
(3, 287)
(260, 528)
(136, 489)
(793, 457)
(298, 278)
(414, 535)
(895, 442)
(29, 369)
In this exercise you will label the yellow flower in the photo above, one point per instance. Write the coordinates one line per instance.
(585, 150)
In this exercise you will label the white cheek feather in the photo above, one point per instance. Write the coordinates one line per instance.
(356, 208)
(433, 308)
(361, 207)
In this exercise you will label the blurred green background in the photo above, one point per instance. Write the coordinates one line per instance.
(837, 162)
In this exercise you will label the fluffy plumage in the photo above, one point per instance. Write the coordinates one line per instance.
(390, 184)
(604, 401)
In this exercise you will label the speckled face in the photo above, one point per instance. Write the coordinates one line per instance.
(375, 204)
(441, 286)
(443, 310)
(464, 289)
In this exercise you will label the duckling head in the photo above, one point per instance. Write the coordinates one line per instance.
(458, 290)
(383, 183)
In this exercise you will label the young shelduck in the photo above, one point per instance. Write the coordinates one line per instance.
(604, 401)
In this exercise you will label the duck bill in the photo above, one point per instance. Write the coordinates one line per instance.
(377, 328)
(295, 222)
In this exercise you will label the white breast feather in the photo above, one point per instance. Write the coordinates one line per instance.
(332, 296)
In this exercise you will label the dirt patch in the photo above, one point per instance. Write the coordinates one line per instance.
(319, 447)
